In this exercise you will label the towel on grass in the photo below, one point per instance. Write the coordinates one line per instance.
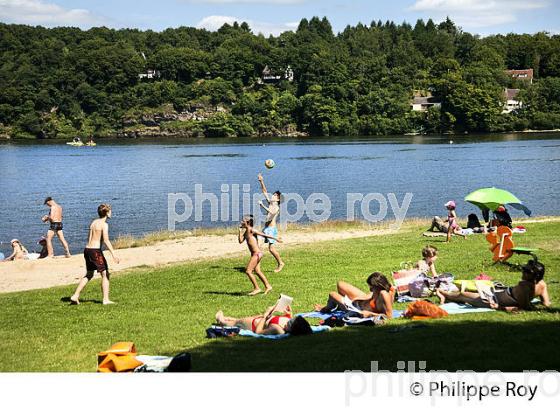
(243, 332)
(456, 308)
(153, 364)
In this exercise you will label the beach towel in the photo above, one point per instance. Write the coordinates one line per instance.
(431, 234)
(457, 309)
(471, 285)
(248, 333)
(403, 278)
(153, 364)
(341, 313)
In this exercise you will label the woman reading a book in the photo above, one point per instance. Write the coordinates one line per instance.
(271, 322)
(379, 301)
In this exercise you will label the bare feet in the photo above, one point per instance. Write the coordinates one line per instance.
(68, 255)
(267, 290)
(74, 300)
(279, 268)
(108, 302)
(440, 296)
(254, 292)
(220, 317)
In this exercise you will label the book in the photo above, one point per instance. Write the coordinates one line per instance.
(283, 302)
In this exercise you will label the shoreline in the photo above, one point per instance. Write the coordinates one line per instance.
(180, 137)
(26, 275)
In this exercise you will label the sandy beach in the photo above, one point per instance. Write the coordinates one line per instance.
(25, 275)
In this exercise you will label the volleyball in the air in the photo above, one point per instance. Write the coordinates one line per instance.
(269, 163)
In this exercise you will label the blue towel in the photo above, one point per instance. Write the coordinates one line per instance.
(340, 313)
(456, 308)
(243, 332)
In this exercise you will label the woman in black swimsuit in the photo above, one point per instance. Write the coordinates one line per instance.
(513, 298)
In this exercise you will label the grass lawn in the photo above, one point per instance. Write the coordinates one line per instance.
(166, 310)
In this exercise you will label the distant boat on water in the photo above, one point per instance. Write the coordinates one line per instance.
(77, 142)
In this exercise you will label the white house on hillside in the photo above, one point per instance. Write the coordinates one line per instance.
(423, 103)
(512, 103)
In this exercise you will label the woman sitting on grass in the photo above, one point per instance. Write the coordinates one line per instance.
(378, 302)
(511, 299)
(269, 323)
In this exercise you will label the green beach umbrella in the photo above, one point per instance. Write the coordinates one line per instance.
(492, 198)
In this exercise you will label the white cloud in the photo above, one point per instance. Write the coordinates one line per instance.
(478, 13)
(40, 12)
(213, 23)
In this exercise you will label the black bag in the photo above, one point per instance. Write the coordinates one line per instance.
(221, 331)
(180, 363)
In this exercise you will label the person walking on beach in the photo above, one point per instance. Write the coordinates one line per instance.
(55, 228)
(270, 228)
(95, 261)
(249, 235)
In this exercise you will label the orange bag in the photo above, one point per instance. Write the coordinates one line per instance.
(118, 358)
(424, 309)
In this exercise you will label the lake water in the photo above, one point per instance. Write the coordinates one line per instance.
(136, 177)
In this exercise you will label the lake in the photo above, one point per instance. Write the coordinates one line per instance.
(135, 177)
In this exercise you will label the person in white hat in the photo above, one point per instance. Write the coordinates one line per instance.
(19, 251)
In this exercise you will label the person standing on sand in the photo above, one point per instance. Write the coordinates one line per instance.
(248, 234)
(55, 219)
(95, 261)
(273, 210)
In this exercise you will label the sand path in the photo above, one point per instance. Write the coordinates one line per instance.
(25, 275)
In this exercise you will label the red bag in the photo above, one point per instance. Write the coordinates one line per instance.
(424, 309)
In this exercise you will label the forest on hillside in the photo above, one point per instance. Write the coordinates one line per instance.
(188, 82)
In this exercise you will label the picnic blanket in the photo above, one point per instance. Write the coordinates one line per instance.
(248, 333)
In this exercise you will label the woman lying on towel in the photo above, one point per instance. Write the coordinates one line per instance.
(269, 323)
(510, 299)
(378, 302)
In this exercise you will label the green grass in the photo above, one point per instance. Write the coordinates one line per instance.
(166, 310)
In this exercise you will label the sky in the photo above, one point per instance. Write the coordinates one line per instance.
(482, 17)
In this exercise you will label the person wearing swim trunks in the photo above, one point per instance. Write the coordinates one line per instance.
(270, 227)
(54, 218)
(269, 323)
(248, 234)
(93, 254)
(510, 299)
(378, 302)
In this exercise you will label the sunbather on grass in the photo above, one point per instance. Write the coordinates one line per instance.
(378, 302)
(511, 299)
(269, 323)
